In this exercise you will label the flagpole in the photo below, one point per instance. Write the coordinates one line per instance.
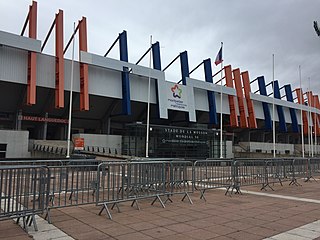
(310, 119)
(71, 88)
(148, 111)
(302, 101)
(273, 112)
(221, 119)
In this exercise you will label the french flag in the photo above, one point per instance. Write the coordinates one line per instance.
(219, 57)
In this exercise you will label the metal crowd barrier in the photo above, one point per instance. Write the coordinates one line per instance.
(212, 174)
(85, 181)
(132, 181)
(72, 185)
(314, 169)
(24, 192)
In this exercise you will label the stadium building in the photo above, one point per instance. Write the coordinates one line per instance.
(110, 102)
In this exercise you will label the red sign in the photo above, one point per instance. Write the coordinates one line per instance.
(44, 119)
(78, 143)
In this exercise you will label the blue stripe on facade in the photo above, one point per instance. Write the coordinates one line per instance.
(184, 66)
(126, 103)
(156, 56)
(293, 114)
(211, 97)
(265, 106)
(282, 120)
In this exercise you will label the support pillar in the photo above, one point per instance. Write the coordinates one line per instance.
(59, 90)
(32, 57)
(126, 100)
(84, 92)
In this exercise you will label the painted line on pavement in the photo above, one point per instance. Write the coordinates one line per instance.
(305, 232)
(283, 197)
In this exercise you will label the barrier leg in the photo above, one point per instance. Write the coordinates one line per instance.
(202, 192)
(33, 220)
(294, 181)
(159, 199)
(265, 185)
(48, 216)
(168, 199)
(117, 205)
(187, 195)
(105, 206)
(136, 203)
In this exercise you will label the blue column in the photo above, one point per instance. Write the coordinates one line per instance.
(211, 97)
(293, 114)
(126, 103)
(156, 65)
(156, 56)
(265, 106)
(184, 66)
(282, 120)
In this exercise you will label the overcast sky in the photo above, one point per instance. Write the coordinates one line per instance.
(251, 31)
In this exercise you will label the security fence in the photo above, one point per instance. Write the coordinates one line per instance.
(30, 187)
(23, 192)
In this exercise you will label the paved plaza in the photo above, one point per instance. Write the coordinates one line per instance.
(288, 212)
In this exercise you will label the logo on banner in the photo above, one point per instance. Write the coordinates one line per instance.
(177, 99)
(176, 91)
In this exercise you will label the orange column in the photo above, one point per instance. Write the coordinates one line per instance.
(247, 90)
(242, 111)
(59, 91)
(32, 57)
(304, 113)
(311, 101)
(229, 83)
(317, 105)
(315, 117)
(84, 92)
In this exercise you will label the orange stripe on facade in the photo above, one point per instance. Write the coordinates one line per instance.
(316, 116)
(84, 92)
(311, 100)
(59, 90)
(242, 111)
(229, 83)
(247, 90)
(304, 113)
(32, 57)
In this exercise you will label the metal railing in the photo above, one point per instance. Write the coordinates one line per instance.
(64, 183)
(212, 174)
(24, 192)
